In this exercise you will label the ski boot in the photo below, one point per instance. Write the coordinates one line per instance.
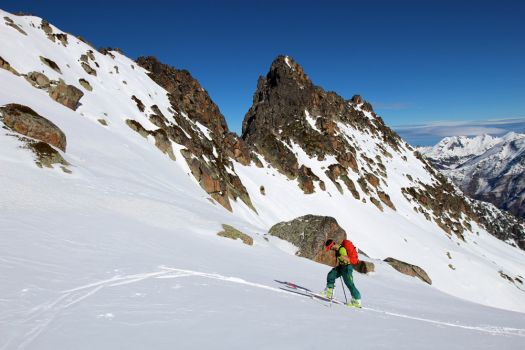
(327, 293)
(354, 303)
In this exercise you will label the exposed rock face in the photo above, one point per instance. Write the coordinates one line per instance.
(107, 51)
(12, 24)
(289, 110)
(364, 266)
(51, 64)
(233, 233)
(385, 198)
(38, 80)
(161, 138)
(309, 233)
(137, 127)
(68, 95)
(85, 84)
(186, 94)
(500, 224)
(88, 69)
(46, 155)
(46, 27)
(202, 130)
(25, 121)
(139, 103)
(441, 202)
(5, 65)
(409, 269)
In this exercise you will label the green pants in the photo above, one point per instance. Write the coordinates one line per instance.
(344, 271)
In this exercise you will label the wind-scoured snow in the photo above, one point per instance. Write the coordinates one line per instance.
(123, 252)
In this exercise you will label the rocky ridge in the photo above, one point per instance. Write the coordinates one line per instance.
(209, 145)
(290, 115)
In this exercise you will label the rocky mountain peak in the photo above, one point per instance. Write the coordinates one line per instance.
(285, 71)
(289, 112)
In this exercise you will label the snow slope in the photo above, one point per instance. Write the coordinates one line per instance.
(123, 252)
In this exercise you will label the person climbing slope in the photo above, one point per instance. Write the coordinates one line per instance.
(346, 256)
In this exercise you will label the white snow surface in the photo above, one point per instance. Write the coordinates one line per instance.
(123, 252)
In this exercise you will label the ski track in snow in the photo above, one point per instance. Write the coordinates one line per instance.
(44, 314)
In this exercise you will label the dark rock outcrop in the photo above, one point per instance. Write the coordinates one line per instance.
(441, 202)
(137, 127)
(186, 94)
(51, 64)
(26, 121)
(139, 103)
(500, 223)
(201, 129)
(46, 28)
(409, 269)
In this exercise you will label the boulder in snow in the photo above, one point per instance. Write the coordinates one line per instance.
(364, 266)
(68, 95)
(409, 269)
(233, 233)
(309, 233)
(85, 84)
(38, 80)
(26, 121)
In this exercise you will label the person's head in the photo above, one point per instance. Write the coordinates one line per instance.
(330, 245)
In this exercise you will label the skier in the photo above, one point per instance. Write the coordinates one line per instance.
(343, 269)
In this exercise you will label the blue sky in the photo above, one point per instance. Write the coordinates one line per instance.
(417, 62)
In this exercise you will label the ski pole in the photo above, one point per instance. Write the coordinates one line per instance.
(342, 285)
(332, 298)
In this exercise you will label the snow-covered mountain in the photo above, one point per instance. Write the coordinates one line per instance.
(487, 168)
(116, 175)
(454, 150)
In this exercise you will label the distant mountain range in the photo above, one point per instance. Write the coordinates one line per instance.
(487, 168)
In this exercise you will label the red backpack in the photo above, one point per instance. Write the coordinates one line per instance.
(351, 251)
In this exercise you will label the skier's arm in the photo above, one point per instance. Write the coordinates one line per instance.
(343, 257)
